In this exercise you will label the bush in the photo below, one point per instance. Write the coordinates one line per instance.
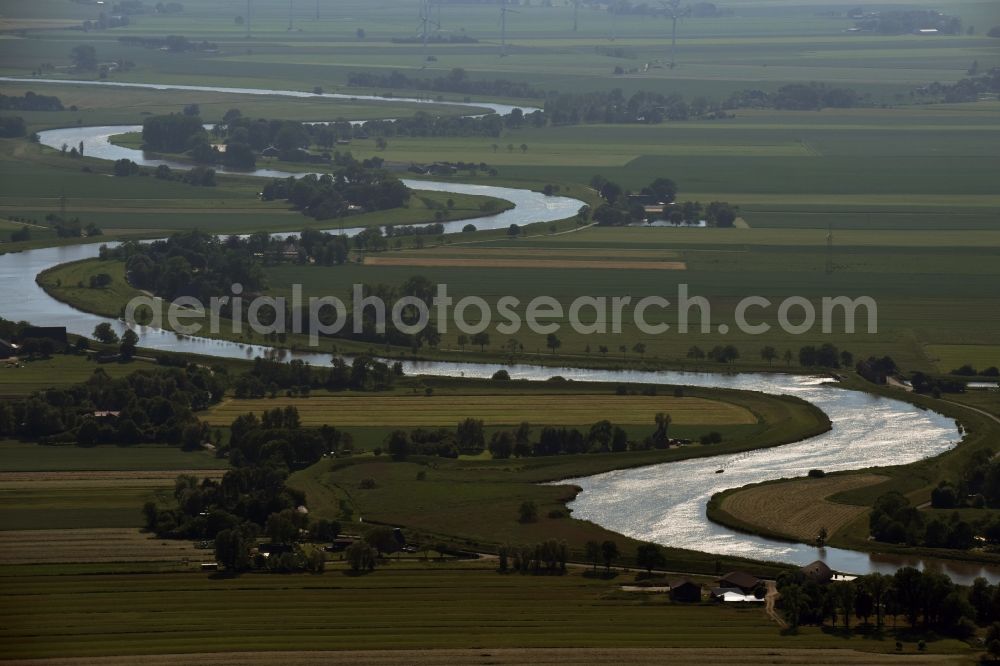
(711, 438)
(501, 375)
(817, 473)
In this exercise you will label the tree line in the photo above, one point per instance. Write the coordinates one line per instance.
(30, 102)
(925, 599)
(155, 406)
(469, 438)
(349, 190)
(895, 520)
(623, 207)
(363, 373)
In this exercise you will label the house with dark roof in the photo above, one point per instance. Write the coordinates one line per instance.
(740, 579)
(685, 590)
(817, 572)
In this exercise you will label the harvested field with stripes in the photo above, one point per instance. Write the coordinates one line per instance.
(93, 545)
(447, 410)
(82, 499)
(797, 508)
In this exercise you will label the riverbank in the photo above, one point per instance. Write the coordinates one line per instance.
(915, 481)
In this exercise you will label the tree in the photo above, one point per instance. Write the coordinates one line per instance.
(398, 444)
(324, 530)
(593, 552)
(527, 512)
(793, 603)
(649, 556)
(463, 340)
(128, 344)
(84, 57)
(879, 587)
(382, 539)
(104, 334)
(361, 556)
(843, 594)
(696, 352)
(908, 584)
(553, 342)
(482, 339)
(640, 349)
(769, 353)
(502, 444)
(788, 356)
(281, 528)
(232, 550)
(609, 552)
(661, 435)
(470, 436)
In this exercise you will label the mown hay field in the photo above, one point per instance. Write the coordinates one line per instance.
(86, 499)
(447, 410)
(400, 606)
(93, 545)
(797, 508)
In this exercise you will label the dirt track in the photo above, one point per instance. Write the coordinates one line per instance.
(504, 657)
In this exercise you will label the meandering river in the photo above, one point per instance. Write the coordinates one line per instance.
(662, 503)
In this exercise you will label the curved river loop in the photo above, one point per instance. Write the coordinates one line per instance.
(663, 503)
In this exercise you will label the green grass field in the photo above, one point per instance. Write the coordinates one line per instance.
(57, 371)
(27, 457)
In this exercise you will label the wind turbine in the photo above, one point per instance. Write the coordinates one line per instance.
(576, 14)
(504, 10)
(673, 10)
(290, 11)
(248, 19)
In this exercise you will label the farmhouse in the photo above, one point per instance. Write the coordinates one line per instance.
(817, 572)
(732, 595)
(740, 580)
(685, 590)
